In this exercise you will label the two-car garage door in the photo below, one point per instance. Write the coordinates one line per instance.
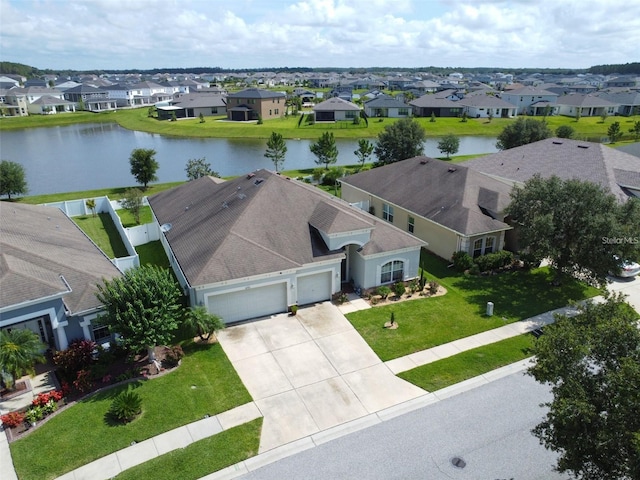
(250, 303)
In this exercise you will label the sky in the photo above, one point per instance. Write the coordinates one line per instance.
(146, 34)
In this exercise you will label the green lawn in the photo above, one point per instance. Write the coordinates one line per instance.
(103, 232)
(471, 363)
(152, 253)
(127, 218)
(83, 432)
(137, 119)
(429, 322)
(202, 457)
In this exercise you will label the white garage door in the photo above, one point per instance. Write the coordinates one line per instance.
(251, 303)
(314, 288)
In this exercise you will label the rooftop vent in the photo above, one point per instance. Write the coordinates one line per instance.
(556, 143)
(583, 146)
(424, 161)
(251, 175)
(258, 181)
(452, 169)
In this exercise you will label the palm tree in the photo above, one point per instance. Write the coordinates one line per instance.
(20, 349)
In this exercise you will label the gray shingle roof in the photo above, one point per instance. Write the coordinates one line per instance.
(39, 244)
(485, 101)
(335, 104)
(195, 100)
(582, 100)
(256, 93)
(433, 101)
(385, 101)
(259, 224)
(451, 195)
(564, 158)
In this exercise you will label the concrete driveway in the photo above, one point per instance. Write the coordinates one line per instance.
(628, 286)
(310, 372)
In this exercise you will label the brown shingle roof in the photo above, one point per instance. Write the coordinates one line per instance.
(566, 159)
(450, 195)
(259, 224)
(40, 244)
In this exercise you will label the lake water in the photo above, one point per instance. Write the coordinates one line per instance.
(92, 156)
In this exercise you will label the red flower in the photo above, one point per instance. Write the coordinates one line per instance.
(13, 419)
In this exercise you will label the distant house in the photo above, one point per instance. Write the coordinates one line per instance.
(254, 103)
(257, 244)
(336, 109)
(531, 100)
(430, 104)
(192, 105)
(94, 99)
(450, 207)
(47, 105)
(628, 102)
(576, 104)
(483, 106)
(49, 271)
(386, 106)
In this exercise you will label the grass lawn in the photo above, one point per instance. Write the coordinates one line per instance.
(127, 218)
(84, 433)
(103, 232)
(202, 457)
(471, 363)
(152, 253)
(429, 322)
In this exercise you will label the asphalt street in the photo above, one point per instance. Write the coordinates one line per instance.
(488, 428)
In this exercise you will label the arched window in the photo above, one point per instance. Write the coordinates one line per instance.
(392, 272)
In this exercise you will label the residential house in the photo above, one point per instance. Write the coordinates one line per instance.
(431, 104)
(149, 93)
(336, 109)
(192, 105)
(531, 100)
(451, 207)
(48, 104)
(615, 171)
(386, 106)
(257, 244)
(94, 99)
(49, 272)
(576, 104)
(628, 102)
(626, 81)
(254, 103)
(483, 106)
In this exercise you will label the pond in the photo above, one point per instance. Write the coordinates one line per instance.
(92, 156)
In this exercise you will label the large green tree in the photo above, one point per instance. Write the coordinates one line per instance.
(132, 202)
(614, 132)
(12, 179)
(143, 306)
(276, 149)
(635, 130)
(399, 141)
(522, 132)
(364, 151)
(144, 165)
(449, 144)
(325, 150)
(20, 349)
(565, 131)
(592, 362)
(199, 167)
(575, 224)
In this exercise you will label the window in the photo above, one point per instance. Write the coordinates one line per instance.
(488, 244)
(392, 272)
(269, 112)
(403, 111)
(101, 333)
(349, 114)
(411, 224)
(477, 248)
(276, 111)
(387, 213)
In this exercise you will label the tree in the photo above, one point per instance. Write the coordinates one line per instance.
(522, 132)
(132, 202)
(198, 167)
(201, 117)
(568, 221)
(614, 132)
(325, 149)
(565, 131)
(449, 144)
(578, 114)
(203, 323)
(592, 362)
(91, 205)
(12, 179)
(276, 149)
(364, 151)
(143, 306)
(399, 141)
(635, 130)
(144, 166)
(20, 349)
(603, 116)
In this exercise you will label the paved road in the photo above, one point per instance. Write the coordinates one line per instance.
(488, 427)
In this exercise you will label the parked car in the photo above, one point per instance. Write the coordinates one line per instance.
(627, 269)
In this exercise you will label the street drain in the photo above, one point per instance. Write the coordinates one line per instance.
(458, 462)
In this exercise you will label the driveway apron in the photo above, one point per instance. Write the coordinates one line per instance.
(310, 372)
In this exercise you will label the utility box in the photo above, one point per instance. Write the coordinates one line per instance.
(489, 309)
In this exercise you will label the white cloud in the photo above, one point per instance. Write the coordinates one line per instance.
(91, 34)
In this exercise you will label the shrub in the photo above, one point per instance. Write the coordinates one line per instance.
(317, 174)
(83, 382)
(433, 287)
(173, 356)
(78, 356)
(12, 419)
(126, 406)
(494, 261)
(49, 407)
(43, 399)
(34, 414)
(529, 260)
(414, 285)
(399, 289)
(462, 261)
(384, 292)
(474, 270)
